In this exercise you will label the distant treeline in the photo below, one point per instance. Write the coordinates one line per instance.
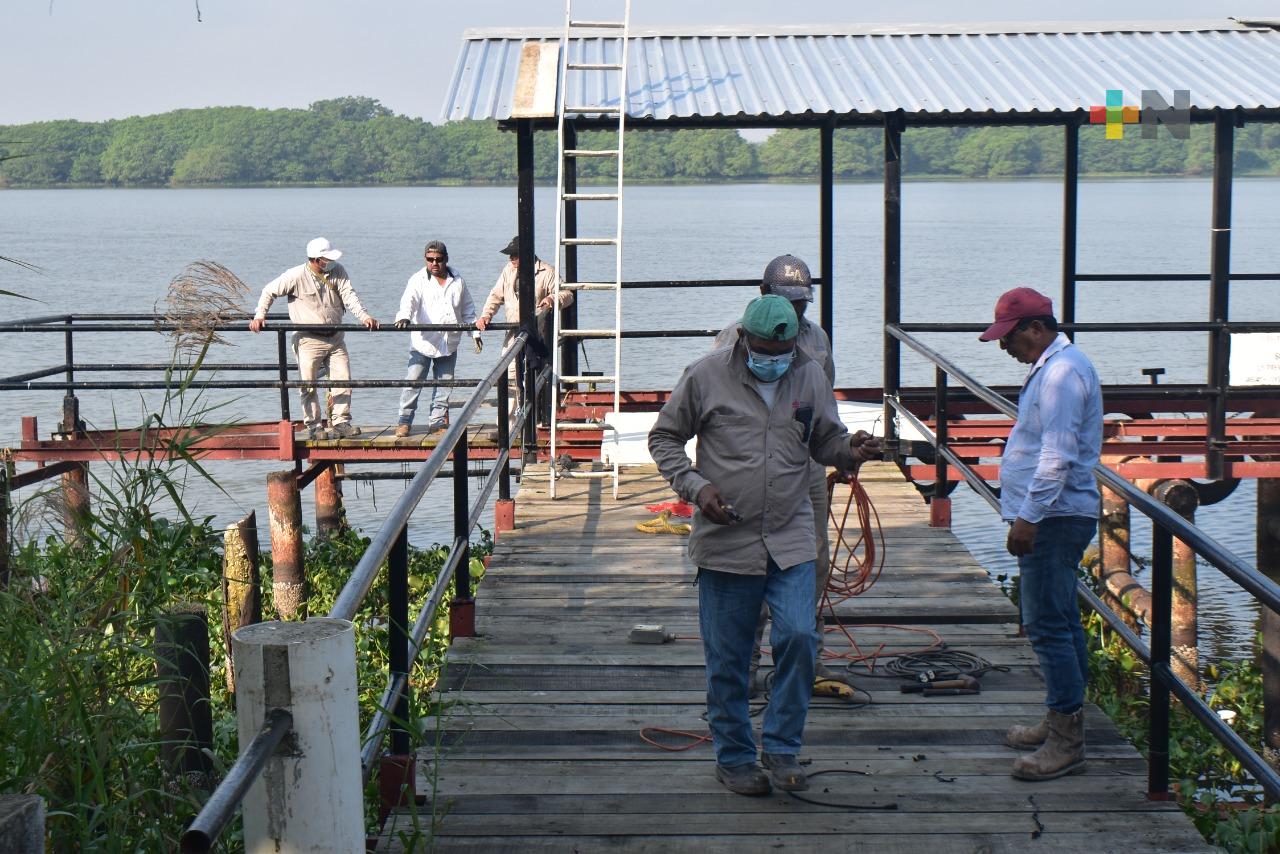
(356, 140)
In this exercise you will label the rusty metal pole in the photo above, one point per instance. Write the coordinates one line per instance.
(184, 713)
(1268, 538)
(1113, 546)
(331, 517)
(288, 579)
(75, 483)
(1181, 497)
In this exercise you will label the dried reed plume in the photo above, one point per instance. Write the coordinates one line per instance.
(201, 298)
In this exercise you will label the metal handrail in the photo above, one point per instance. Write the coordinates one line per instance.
(1166, 525)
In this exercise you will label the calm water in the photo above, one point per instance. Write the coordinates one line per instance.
(964, 244)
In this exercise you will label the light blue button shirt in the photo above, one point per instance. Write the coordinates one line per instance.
(1047, 467)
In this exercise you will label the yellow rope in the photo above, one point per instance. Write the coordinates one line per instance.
(662, 524)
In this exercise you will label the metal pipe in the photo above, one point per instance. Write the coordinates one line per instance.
(282, 361)
(218, 811)
(504, 439)
(1267, 534)
(826, 226)
(1070, 219)
(1158, 722)
(976, 483)
(1219, 289)
(330, 514)
(525, 278)
(940, 504)
(462, 608)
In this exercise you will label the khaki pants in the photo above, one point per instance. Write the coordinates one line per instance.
(821, 524)
(321, 358)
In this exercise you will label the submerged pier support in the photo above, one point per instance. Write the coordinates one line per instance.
(288, 578)
(1120, 589)
(241, 583)
(331, 516)
(184, 711)
(1181, 497)
(1268, 538)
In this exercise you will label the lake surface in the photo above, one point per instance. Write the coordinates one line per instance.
(964, 243)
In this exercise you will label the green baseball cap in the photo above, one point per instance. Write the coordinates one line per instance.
(771, 317)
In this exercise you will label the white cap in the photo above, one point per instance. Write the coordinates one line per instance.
(321, 248)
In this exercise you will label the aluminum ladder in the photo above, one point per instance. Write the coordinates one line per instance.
(589, 87)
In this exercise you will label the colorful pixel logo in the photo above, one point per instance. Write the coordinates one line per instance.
(1155, 111)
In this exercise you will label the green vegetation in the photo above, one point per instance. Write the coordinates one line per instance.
(356, 140)
(78, 678)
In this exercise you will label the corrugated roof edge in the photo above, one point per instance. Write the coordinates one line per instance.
(904, 29)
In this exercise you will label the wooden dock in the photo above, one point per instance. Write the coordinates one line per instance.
(539, 746)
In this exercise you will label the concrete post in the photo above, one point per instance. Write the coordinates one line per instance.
(330, 516)
(288, 578)
(241, 583)
(309, 797)
(1268, 538)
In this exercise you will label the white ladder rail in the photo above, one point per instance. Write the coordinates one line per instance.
(559, 334)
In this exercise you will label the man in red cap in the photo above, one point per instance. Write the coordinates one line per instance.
(1050, 499)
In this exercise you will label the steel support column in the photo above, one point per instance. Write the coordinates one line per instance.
(826, 229)
(524, 280)
(1219, 289)
(1070, 221)
(893, 126)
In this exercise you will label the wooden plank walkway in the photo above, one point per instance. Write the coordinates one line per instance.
(539, 749)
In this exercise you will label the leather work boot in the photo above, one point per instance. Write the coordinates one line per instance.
(1021, 737)
(743, 779)
(402, 430)
(1062, 752)
(785, 771)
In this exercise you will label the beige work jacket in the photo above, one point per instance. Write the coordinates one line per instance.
(310, 299)
(756, 456)
(505, 292)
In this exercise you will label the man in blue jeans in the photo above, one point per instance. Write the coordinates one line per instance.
(1050, 498)
(761, 409)
(436, 294)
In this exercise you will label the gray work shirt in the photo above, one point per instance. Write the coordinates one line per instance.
(758, 457)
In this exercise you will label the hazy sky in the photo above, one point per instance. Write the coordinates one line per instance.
(98, 59)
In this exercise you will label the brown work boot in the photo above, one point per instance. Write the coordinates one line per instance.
(402, 430)
(1021, 737)
(746, 779)
(785, 771)
(1062, 752)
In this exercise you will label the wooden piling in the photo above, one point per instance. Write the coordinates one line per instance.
(185, 716)
(331, 517)
(1181, 497)
(241, 583)
(1268, 539)
(288, 578)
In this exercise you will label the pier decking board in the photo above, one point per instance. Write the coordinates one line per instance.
(539, 746)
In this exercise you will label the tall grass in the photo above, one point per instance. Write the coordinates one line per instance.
(78, 684)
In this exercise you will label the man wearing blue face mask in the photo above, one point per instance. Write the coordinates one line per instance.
(761, 410)
(318, 291)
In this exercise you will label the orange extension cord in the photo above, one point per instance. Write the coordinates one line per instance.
(863, 561)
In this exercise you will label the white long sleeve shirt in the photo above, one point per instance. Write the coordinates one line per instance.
(426, 300)
(1047, 466)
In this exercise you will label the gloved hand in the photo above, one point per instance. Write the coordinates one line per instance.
(402, 324)
(479, 342)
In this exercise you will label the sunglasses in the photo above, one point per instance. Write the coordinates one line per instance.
(435, 259)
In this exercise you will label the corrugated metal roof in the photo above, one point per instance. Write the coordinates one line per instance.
(793, 72)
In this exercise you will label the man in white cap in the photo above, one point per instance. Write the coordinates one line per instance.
(319, 292)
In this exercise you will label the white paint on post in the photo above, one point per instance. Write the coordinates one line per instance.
(309, 797)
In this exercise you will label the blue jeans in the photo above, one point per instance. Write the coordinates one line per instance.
(1050, 610)
(728, 606)
(441, 368)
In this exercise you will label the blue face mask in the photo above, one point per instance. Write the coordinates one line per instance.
(769, 369)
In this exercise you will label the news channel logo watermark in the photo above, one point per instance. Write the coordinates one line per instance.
(1155, 111)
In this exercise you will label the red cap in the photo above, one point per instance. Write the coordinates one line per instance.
(1017, 304)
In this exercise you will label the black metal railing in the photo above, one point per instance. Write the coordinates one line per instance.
(390, 546)
(1166, 525)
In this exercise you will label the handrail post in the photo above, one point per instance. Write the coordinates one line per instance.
(1161, 607)
(940, 504)
(1219, 291)
(396, 772)
(462, 610)
(1070, 216)
(504, 509)
(892, 271)
(282, 354)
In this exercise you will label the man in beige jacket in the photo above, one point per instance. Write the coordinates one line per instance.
(319, 292)
(761, 410)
